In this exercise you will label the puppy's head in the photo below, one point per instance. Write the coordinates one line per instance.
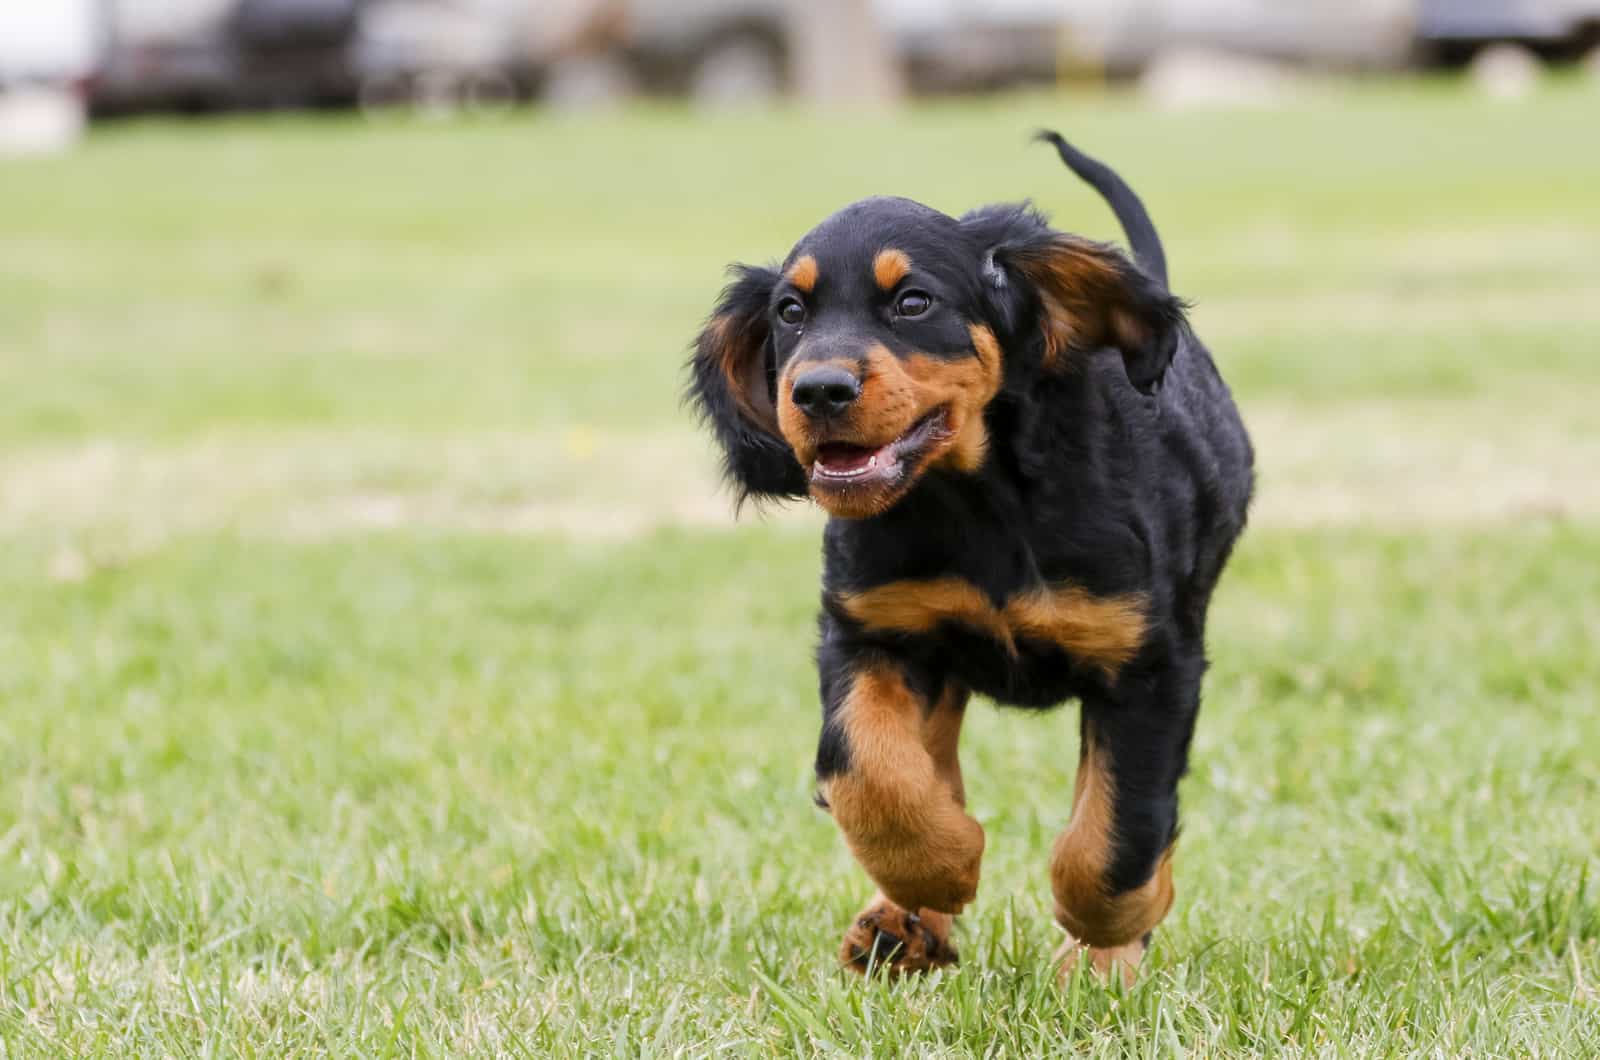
(878, 349)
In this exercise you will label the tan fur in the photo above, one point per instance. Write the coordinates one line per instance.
(1101, 631)
(898, 814)
(941, 736)
(890, 267)
(792, 423)
(737, 350)
(803, 274)
(1121, 960)
(985, 343)
(895, 394)
(1106, 631)
(964, 389)
(920, 605)
(1083, 297)
(1082, 858)
(924, 940)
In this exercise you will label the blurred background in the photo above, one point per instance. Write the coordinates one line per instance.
(197, 56)
(510, 214)
(288, 264)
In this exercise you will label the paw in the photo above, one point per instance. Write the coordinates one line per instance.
(1120, 960)
(884, 937)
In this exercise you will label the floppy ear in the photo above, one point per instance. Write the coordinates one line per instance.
(1089, 295)
(731, 379)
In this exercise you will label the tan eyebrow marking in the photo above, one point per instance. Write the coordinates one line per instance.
(803, 273)
(890, 267)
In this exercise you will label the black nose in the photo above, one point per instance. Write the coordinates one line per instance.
(825, 389)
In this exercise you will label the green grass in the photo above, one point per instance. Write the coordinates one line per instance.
(380, 676)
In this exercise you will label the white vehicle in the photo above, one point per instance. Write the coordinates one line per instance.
(48, 53)
(48, 43)
(1126, 37)
(448, 56)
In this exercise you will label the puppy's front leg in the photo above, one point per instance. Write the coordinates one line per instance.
(887, 770)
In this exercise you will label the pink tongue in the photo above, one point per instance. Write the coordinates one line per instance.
(844, 457)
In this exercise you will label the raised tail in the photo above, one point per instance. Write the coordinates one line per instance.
(1130, 212)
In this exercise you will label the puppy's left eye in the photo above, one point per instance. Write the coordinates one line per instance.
(791, 312)
(913, 304)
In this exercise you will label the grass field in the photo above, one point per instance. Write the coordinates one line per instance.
(381, 674)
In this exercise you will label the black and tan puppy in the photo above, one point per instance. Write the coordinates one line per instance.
(1035, 475)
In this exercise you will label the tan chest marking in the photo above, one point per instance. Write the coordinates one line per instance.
(1103, 631)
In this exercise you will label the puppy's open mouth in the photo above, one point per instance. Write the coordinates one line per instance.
(846, 464)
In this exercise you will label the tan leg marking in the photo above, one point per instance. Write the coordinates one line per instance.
(898, 813)
(884, 935)
(1080, 863)
(941, 736)
(1123, 960)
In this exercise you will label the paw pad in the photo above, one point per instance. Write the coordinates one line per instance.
(887, 938)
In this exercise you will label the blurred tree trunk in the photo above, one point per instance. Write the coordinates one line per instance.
(841, 54)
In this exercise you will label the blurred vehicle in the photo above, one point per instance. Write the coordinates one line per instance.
(442, 56)
(724, 50)
(1452, 31)
(293, 52)
(1124, 38)
(1347, 34)
(710, 50)
(978, 45)
(206, 54)
(47, 53)
(156, 54)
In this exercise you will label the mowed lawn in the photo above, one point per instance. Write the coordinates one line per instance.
(382, 674)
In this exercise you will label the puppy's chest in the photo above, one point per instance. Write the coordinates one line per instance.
(1018, 640)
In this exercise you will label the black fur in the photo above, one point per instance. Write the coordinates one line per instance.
(755, 460)
(1127, 207)
(1123, 468)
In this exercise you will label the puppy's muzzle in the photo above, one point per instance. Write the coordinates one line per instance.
(824, 391)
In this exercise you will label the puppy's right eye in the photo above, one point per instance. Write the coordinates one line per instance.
(791, 312)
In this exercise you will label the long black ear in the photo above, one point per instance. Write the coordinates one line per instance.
(731, 379)
(1086, 295)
